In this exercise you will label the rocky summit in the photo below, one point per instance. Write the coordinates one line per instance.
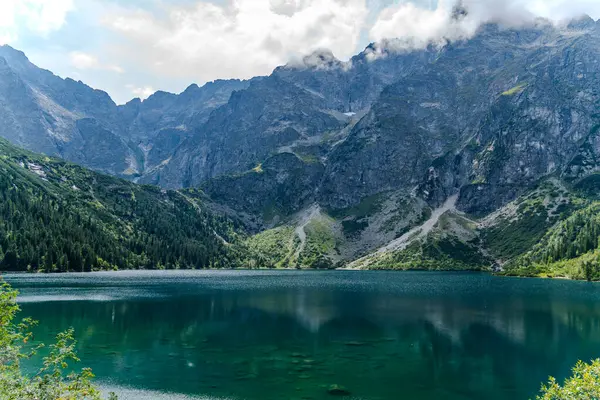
(461, 155)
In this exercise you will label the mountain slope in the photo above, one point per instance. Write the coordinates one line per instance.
(44, 113)
(58, 216)
(303, 108)
(440, 120)
(571, 247)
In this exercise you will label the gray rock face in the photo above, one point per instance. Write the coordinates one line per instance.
(419, 122)
(495, 110)
(39, 110)
(162, 122)
(62, 117)
(311, 103)
(354, 85)
(488, 117)
(271, 114)
(545, 125)
(288, 181)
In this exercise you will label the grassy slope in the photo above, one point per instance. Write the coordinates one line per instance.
(321, 242)
(281, 247)
(274, 248)
(517, 237)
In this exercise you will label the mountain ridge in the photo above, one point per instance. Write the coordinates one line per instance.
(62, 117)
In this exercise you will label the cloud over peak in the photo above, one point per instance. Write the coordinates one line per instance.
(242, 38)
(417, 26)
(129, 47)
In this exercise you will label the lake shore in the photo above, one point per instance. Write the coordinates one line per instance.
(342, 269)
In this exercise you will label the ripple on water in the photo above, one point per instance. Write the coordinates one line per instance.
(53, 298)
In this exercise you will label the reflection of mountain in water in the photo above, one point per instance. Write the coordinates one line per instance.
(311, 310)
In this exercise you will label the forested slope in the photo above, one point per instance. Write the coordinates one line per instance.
(569, 249)
(56, 216)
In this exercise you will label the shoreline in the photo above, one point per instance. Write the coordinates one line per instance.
(448, 271)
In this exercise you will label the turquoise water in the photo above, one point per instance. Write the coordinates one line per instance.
(291, 335)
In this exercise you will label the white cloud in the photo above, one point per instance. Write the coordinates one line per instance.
(115, 68)
(563, 9)
(417, 25)
(141, 92)
(242, 38)
(84, 61)
(37, 16)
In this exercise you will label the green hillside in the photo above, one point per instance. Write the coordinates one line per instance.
(56, 216)
(569, 249)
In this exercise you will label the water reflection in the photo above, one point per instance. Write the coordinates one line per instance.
(282, 335)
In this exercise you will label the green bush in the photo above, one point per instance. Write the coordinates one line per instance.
(52, 381)
(584, 384)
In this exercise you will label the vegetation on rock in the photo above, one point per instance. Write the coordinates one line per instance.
(274, 248)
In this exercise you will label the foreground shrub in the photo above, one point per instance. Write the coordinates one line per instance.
(52, 381)
(584, 384)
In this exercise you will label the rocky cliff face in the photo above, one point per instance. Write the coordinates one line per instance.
(486, 118)
(61, 117)
(304, 108)
(158, 125)
(288, 180)
(268, 117)
(42, 112)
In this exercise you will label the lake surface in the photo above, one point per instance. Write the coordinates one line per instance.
(291, 335)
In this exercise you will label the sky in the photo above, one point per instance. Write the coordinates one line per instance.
(131, 48)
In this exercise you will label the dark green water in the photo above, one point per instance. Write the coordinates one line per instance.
(290, 335)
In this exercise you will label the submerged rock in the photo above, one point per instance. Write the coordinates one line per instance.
(355, 344)
(337, 390)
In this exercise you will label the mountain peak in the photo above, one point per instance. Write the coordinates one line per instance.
(9, 51)
(14, 58)
(193, 87)
(320, 59)
(159, 96)
(582, 22)
(134, 102)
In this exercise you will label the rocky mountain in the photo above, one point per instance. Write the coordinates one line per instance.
(399, 157)
(155, 127)
(304, 108)
(473, 132)
(61, 117)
